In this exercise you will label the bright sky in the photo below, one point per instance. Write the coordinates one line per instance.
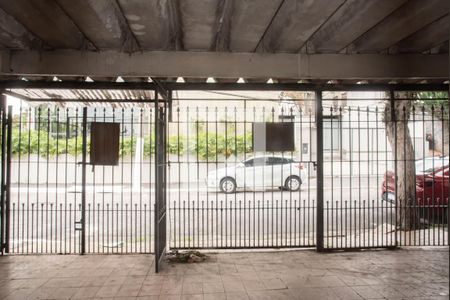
(15, 103)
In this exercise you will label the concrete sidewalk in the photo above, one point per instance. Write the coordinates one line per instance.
(402, 274)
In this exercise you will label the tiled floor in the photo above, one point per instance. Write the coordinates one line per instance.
(401, 274)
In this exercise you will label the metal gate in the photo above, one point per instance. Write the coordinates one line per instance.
(347, 197)
(372, 198)
(62, 204)
(210, 141)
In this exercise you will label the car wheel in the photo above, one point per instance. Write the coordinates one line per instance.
(228, 185)
(293, 183)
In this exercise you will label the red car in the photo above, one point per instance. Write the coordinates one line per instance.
(432, 187)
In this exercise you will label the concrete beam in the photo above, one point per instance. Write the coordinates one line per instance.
(223, 65)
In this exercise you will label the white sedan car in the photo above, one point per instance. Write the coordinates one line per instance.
(259, 173)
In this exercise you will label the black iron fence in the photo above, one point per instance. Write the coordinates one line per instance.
(387, 170)
(261, 209)
(363, 168)
(46, 177)
(223, 194)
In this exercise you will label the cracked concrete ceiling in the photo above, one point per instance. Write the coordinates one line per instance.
(307, 27)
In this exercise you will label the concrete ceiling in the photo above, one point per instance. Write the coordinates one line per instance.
(311, 27)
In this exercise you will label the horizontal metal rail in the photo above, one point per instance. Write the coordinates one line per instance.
(220, 86)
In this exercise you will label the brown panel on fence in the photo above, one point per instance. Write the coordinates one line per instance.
(273, 137)
(105, 143)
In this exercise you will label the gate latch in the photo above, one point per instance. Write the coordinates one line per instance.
(78, 225)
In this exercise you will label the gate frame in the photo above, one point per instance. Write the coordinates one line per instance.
(319, 173)
(160, 183)
(6, 128)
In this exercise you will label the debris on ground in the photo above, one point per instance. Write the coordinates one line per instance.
(186, 257)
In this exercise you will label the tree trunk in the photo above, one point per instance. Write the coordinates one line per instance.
(440, 134)
(400, 140)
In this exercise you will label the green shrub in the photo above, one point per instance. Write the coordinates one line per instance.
(210, 145)
(206, 146)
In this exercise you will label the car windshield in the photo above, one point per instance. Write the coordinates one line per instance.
(429, 164)
(266, 160)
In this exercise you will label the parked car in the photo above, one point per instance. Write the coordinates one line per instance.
(259, 172)
(432, 185)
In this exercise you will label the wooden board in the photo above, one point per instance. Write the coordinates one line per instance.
(104, 143)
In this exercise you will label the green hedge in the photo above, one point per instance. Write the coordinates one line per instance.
(206, 146)
(39, 142)
(210, 145)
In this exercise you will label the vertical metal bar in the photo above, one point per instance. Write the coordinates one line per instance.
(393, 119)
(332, 184)
(359, 180)
(160, 183)
(207, 183)
(3, 173)
(156, 183)
(198, 123)
(94, 185)
(415, 219)
(384, 208)
(17, 237)
(8, 178)
(65, 176)
(83, 183)
(350, 146)
(319, 163)
(76, 180)
(341, 198)
(141, 158)
(180, 167)
(443, 148)
(122, 145)
(164, 170)
(37, 182)
(47, 180)
(56, 184)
